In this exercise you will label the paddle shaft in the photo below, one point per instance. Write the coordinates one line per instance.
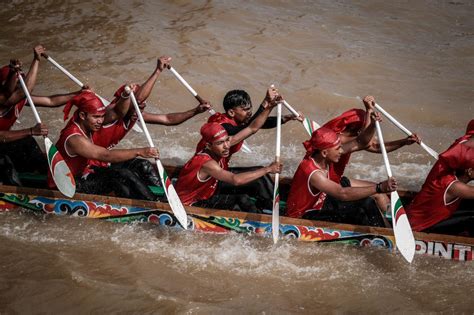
(430, 151)
(73, 78)
(382, 148)
(30, 100)
(276, 193)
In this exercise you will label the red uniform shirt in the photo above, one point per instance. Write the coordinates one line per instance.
(190, 187)
(109, 136)
(77, 164)
(302, 197)
(8, 117)
(430, 206)
(221, 119)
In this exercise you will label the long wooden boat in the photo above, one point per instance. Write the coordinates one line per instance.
(225, 221)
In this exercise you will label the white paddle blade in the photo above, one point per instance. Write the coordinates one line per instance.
(137, 128)
(173, 198)
(246, 148)
(402, 229)
(61, 173)
(310, 126)
(276, 211)
(430, 151)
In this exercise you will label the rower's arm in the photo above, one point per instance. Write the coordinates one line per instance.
(320, 182)
(7, 136)
(79, 145)
(362, 141)
(53, 100)
(213, 169)
(374, 146)
(173, 119)
(460, 190)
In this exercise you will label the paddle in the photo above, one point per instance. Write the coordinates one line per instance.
(401, 227)
(78, 82)
(430, 151)
(211, 111)
(173, 199)
(276, 190)
(61, 173)
(309, 125)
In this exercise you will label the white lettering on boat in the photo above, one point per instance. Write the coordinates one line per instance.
(445, 250)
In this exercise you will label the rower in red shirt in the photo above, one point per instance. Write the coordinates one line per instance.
(315, 195)
(349, 125)
(435, 207)
(77, 147)
(18, 146)
(121, 118)
(198, 180)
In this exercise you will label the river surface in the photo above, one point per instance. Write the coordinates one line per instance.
(415, 57)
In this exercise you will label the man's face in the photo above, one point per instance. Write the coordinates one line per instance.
(93, 122)
(221, 147)
(242, 113)
(333, 154)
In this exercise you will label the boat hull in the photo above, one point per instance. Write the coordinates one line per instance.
(225, 221)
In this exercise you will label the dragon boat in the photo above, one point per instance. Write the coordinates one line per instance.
(124, 210)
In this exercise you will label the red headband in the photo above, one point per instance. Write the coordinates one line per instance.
(322, 138)
(212, 132)
(85, 102)
(353, 118)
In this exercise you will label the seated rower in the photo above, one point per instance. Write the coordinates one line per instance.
(435, 207)
(312, 183)
(20, 147)
(198, 180)
(349, 125)
(77, 147)
(237, 116)
(121, 117)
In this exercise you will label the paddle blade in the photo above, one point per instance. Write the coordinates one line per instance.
(276, 210)
(62, 175)
(173, 198)
(246, 148)
(430, 151)
(310, 126)
(137, 128)
(402, 229)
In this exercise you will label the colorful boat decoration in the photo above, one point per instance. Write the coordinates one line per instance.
(224, 221)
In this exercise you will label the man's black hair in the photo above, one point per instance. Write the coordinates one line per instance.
(236, 98)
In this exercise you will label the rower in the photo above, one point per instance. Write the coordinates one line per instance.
(435, 207)
(19, 146)
(312, 185)
(121, 117)
(238, 115)
(77, 147)
(198, 180)
(349, 125)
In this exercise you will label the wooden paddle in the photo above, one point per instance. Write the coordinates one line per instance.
(276, 190)
(78, 82)
(430, 151)
(401, 226)
(211, 111)
(62, 175)
(173, 198)
(309, 125)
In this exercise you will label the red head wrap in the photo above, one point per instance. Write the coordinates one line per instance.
(212, 132)
(470, 128)
(322, 138)
(353, 119)
(4, 71)
(86, 102)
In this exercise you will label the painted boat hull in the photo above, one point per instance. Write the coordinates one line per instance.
(225, 221)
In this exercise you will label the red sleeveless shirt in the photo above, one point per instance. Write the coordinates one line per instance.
(302, 197)
(8, 117)
(190, 187)
(430, 206)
